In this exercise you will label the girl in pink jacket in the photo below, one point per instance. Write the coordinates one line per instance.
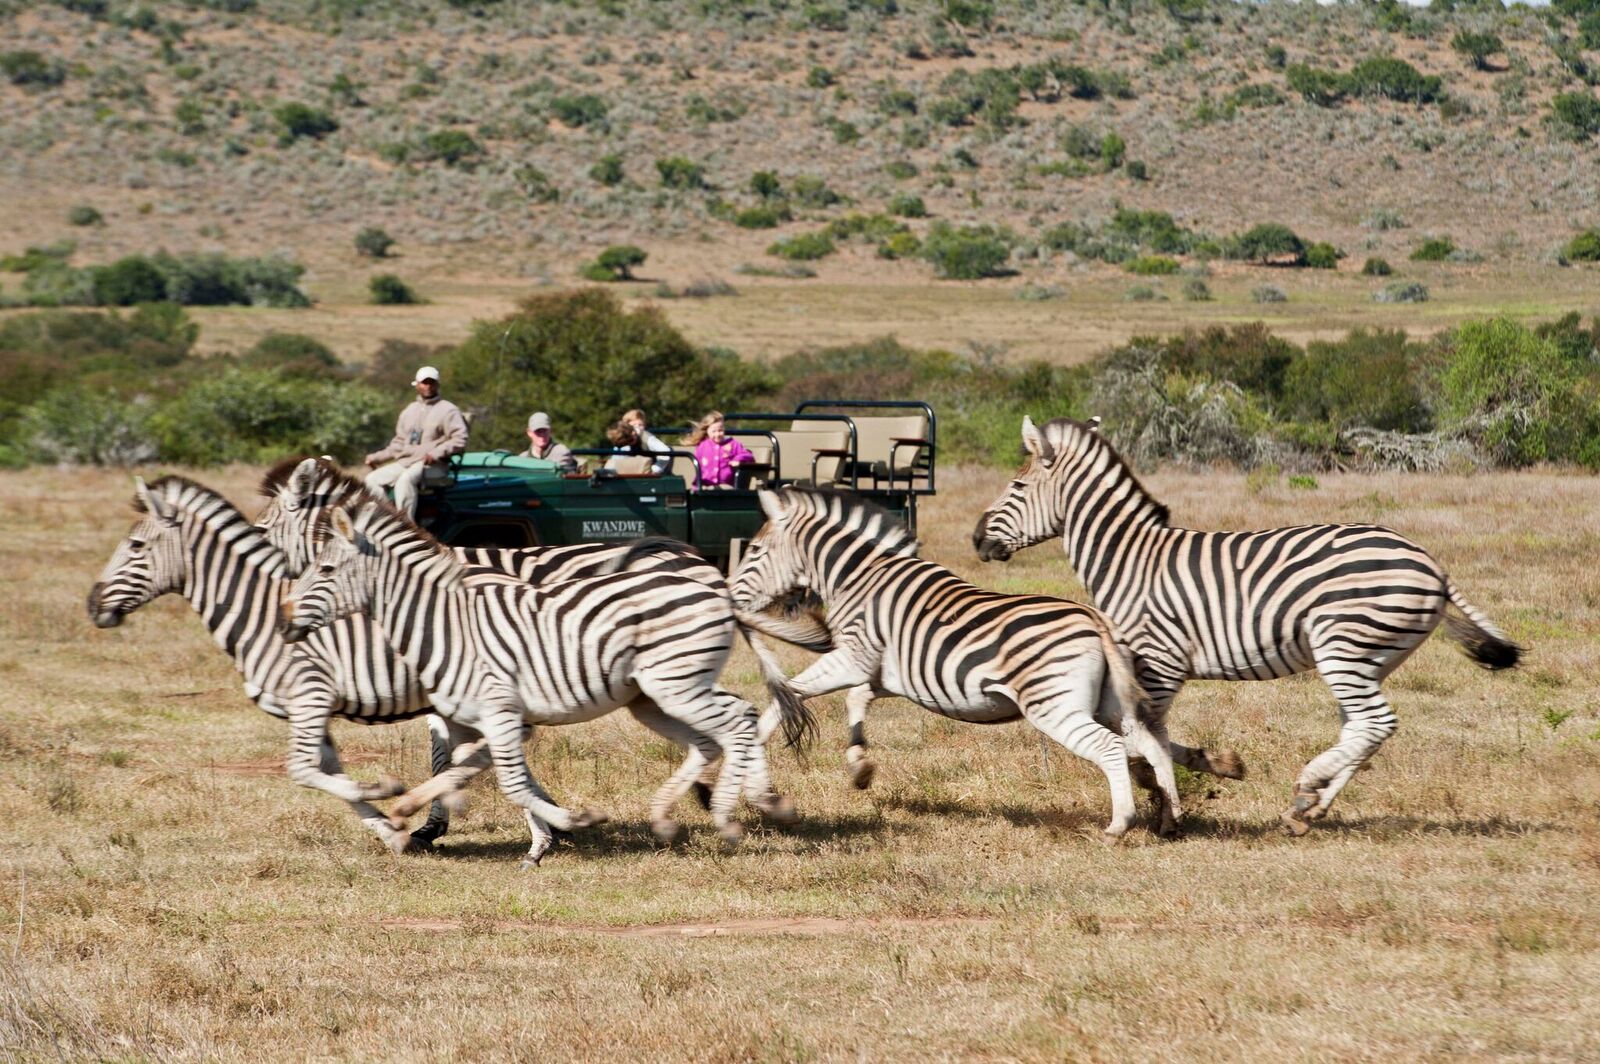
(717, 453)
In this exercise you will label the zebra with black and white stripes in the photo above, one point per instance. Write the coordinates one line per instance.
(1351, 601)
(908, 627)
(494, 652)
(193, 542)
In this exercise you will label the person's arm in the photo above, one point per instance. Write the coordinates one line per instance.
(739, 454)
(564, 458)
(653, 443)
(455, 438)
(388, 453)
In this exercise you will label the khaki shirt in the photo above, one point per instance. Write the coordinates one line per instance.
(559, 453)
(426, 427)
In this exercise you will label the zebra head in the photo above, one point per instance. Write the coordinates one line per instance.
(298, 493)
(1033, 508)
(337, 584)
(148, 563)
(771, 566)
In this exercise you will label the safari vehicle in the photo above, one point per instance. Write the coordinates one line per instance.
(885, 451)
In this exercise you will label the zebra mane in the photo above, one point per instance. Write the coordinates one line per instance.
(869, 520)
(1096, 440)
(214, 510)
(339, 484)
(385, 513)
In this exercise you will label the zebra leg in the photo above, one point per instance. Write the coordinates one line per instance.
(758, 774)
(502, 728)
(701, 750)
(440, 744)
(733, 731)
(859, 765)
(1354, 676)
(1145, 736)
(1163, 688)
(1069, 720)
(398, 842)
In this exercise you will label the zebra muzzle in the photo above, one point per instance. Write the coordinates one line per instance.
(289, 628)
(102, 617)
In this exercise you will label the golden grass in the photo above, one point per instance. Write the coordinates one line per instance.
(167, 893)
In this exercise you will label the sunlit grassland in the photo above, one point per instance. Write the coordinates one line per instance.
(168, 893)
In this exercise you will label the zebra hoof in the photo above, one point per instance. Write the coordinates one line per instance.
(1225, 763)
(1111, 838)
(1292, 824)
(780, 810)
(702, 794)
(588, 818)
(418, 844)
(665, 830)
(732, 835)
(1171, 831)
(430, 832)
(861, 774)
(399, 843)
(530, 864)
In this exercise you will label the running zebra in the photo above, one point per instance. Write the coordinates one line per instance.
(192, 541)
(495, 652)
(908, 627)
(300, 492)
(1351, 601)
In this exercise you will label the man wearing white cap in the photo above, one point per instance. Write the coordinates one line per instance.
(542, 444)
(429, 431)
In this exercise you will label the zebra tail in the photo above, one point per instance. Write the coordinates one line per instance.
(651, 545)
(1482, 641)
(1130, 692)
(799, 724)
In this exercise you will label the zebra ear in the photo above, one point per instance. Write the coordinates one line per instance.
(1094, 423)
(299, 484)
(1034, 443)
(339, 521)
(771, 505)
(147, 502)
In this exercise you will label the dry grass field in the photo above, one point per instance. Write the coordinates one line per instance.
(168, 894)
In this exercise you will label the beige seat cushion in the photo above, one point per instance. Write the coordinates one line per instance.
(629, 464)
(797, 447)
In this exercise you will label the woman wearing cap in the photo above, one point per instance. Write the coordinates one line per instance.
(428, 432)
(542, 444)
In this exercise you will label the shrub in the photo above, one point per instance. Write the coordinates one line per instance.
(130, 280)
(1383, 219)
(1322, 256)
(526, 362)
(904, 245)
(1369, 378)
(906, 205)
(619, 261)
(1375, 267)
(843, 132)
(1434, 249)
(1393, 79)
(453, 147)
(901, 170)
(1477, 47)
(819, 77)
(578, 111)
(1402, 292)
(1152, 266)
(803, 247)
(1575, 115)
(608, 171)
(389, 290)
(679, 172)
(32, 70)
(1137, 170)
(294, 355)
(1322, 87)
(1256, 94)
(1142, 293)
(765, 184)
(1196, 291)
(967, 253)
(302, 120)
(536, 184)
(85, 215)
(1585, 247)
(763, 216)
(1268, 293)
(87, 427)
(1265, 242)
(1033, 293)
(1113, 149)
(373, 242)
(1247, 356)
(811, 191)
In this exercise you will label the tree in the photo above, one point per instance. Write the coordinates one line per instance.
(1477, 47)
(373, 242)
(300, 120)
(1265, 242)
(585, 359)
(620, 260)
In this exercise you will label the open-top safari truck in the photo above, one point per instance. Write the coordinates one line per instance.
(885, 451)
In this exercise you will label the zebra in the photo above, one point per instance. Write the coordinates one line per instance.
(495, 651)
(905, 626)
(1349, 600)
(192, 541)
(299, 491)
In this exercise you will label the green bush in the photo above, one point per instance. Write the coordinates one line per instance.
(1196, 291)
(32, 70)
(85, 215)
(1265, 242)
(1143, 293)
(803, 247)
(1575, 115)
(578, 111)
(906, 205)
(968, 253)
(302, 120)
(629, 359)
(765, 184)
(903, 245)
(1585, 247)
(819, 77)
(453, 147)
(1113, 149)
(128, 281)
(1393, 79)
(389, 290)
(763, 216)
(1268, 293)
(1152, 266)
(373, 242)
(1321, 87)
(811, 191)
(1256, 94)
(85, 427)
(1434, 249)
(1369, 378)
(1322, 256)
(1402, 292)
(901, 170)
(679, 172)
(294, 355)
(536, 184)
(608, 171)
(1137, 169)
(1376, 267)
(1477, 47)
